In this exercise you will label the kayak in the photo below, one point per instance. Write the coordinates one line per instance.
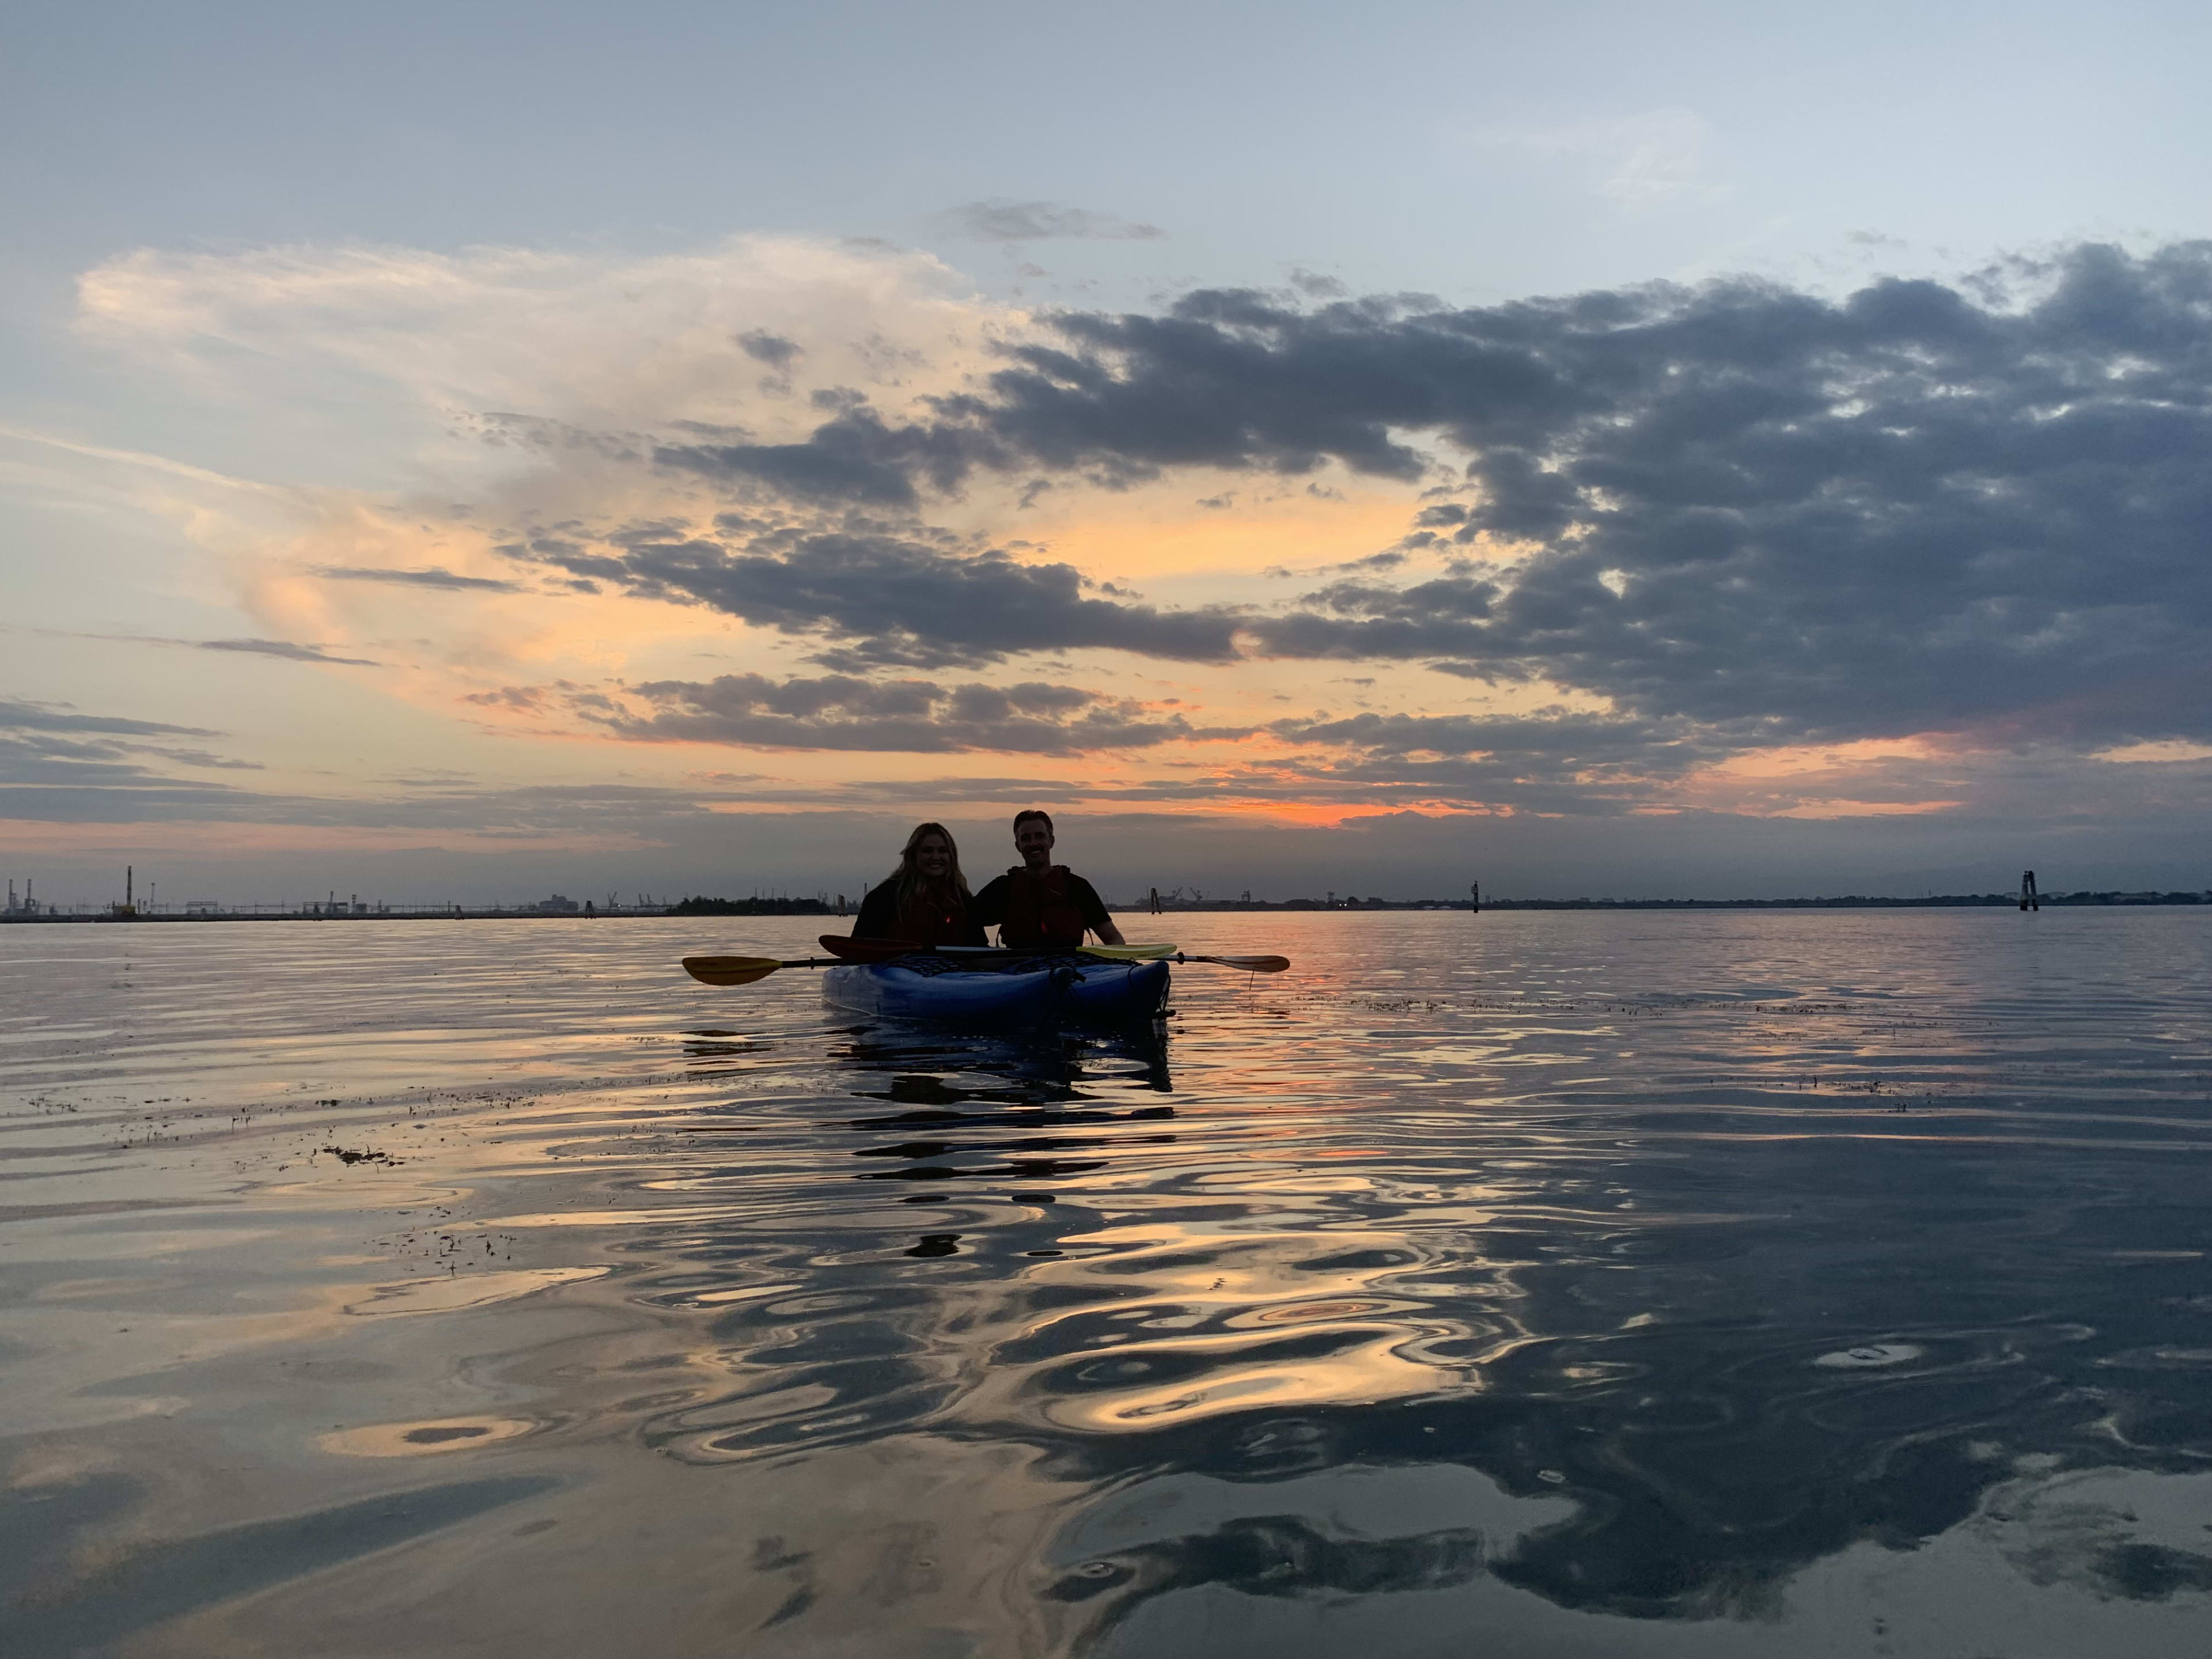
(1032, 990)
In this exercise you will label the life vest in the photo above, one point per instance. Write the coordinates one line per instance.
(923, 921)
(1040, 910)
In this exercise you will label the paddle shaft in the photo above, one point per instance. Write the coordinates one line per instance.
(726, 971)
(888, 949)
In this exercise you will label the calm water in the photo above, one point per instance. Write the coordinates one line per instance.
(1522, 1285)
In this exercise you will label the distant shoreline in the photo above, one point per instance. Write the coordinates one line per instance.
(1852, 901)
(757, 908)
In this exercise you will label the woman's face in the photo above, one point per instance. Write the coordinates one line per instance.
(932, 856)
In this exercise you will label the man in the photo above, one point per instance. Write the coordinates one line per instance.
(1039, 904)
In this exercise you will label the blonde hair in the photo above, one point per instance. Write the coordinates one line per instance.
(908, 876)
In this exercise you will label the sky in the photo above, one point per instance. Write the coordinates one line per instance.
(456, 453)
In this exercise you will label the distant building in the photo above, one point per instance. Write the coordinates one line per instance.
(556, 906)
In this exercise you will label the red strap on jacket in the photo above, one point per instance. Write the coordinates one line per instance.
(922, 922)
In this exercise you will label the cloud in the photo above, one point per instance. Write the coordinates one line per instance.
(518, 814)
(47, 743)
(201, 757)
(854, 458)
(841, 712)
(774, 350)
(55, 717)
(289, 650)
(431, 577)
(898, 599)
(1003, 221)
(1732, 517)
(1357, 620)
(594, 341)
(1917, 508)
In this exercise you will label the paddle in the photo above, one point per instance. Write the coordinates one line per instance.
(1249, 965)
(870, 949)
(1169, 953)
(744, 971)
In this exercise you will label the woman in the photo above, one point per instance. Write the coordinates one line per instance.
(925, 900)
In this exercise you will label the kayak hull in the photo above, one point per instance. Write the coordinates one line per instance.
(1116, 992)
(1055, 991)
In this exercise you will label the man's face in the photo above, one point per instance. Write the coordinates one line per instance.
(1033, 841)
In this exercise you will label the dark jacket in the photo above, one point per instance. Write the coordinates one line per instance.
(918, 921)
(1053, 910)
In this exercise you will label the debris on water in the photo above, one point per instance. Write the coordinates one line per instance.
(363, 1157)
(1869, 1356)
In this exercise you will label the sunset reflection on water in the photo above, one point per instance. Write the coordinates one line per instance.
(1615, 1284)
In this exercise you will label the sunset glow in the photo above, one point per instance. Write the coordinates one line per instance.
(364, 539)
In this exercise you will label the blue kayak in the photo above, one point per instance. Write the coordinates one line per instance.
(1070, 990)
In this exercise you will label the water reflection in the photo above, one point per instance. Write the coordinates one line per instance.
(1587, 1314)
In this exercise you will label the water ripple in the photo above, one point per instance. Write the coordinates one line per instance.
(1545, 1268)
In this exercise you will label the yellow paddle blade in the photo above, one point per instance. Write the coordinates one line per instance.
(730, 970)
(1129, 952)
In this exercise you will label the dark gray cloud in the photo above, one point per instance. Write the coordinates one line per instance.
(41, 760)
(1919, 506)
(1571, 742)
(201, 757)
(523, 815)
(431, 577)
(841, 712)
(1909, 509)
(45, 743)
(46, 746)
(1549, 761)
(855, 457)
(887, 597)
(289, 650)
(774, 350)
(1355, 620)
(18, 716)
(1002, 221)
